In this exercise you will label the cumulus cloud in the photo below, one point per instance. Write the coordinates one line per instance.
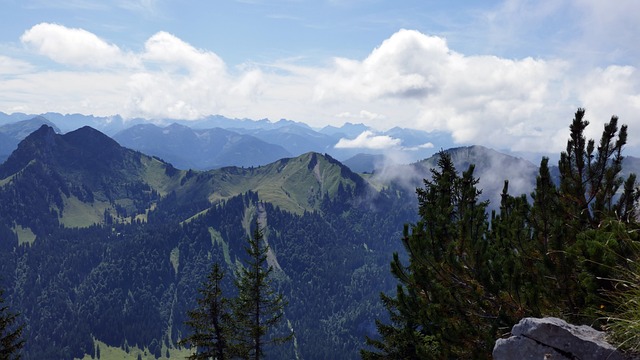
(410, 80)
(368, 140)
(181, 81)
(168, 78)
(475, 98)
(72, 46)
(407, 65)
(167, 50)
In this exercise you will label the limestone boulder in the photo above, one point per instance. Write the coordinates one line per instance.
(554, 339)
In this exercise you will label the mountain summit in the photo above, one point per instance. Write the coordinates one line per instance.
(77, 179)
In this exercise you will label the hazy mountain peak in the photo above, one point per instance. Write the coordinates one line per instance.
(492, 168)
(346, 130)
(21, 129)
(179, 127)
(38, 145)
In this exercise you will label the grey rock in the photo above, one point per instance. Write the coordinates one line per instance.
(520, 347)
(553, 338)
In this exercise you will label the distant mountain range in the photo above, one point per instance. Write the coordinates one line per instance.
(216, 141)
(188, 148)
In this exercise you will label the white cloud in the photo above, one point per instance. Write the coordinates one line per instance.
(166, 50)
(75, 47)
(411, 80)
(407, 65)
(169, 78)
(249, 85)
(181, 81)
(478, 99)
(427, 145)
(9, 66)
(368, 140)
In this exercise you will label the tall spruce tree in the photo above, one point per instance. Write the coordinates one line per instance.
(258, 307)
(11, 341)
(211, 321)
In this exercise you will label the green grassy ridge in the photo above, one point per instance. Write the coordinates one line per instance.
(92, 184)
(294, 184)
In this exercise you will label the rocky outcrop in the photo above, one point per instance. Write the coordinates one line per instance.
(554, 339)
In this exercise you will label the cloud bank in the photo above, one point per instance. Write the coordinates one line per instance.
(368, 140)
(411, 80)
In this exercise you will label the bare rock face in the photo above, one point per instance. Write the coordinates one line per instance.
(554, 339)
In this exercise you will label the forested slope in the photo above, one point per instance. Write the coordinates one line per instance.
(128, 275)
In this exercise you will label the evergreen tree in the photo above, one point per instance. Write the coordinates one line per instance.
(468, 280)
(510, 260)
(10, 332)
(439, 299)
(211, 321)
(258, 308)
(584, 205)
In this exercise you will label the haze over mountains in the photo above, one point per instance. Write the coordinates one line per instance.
(216, 141)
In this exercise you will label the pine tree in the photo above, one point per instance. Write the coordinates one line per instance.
(441, 309)
(585, 200)
(590, 180)
(211, 321)
(10, 332)
(510, 256)
(258, 308)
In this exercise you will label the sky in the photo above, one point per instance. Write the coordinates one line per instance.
(504, 74)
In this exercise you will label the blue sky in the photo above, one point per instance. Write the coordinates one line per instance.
(506, 74)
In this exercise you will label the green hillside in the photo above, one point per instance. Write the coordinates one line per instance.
(296, 184)
(103, 245)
